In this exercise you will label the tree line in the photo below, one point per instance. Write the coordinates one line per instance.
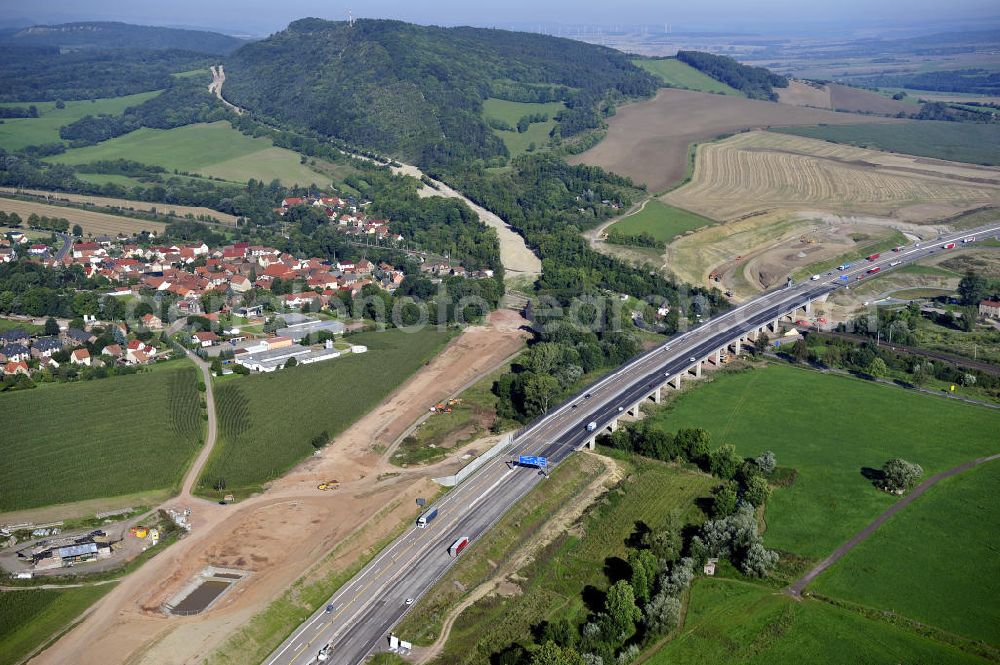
(644, 599)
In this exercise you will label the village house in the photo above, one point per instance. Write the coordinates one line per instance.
(152, 322)
(15, 352)
(44, 347)
(138, 352)
(80, 357)
(205, 339)
(19, 367)
(990, 308)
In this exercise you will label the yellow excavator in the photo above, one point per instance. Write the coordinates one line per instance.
(329, 485)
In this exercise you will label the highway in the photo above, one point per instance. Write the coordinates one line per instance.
(362, 613)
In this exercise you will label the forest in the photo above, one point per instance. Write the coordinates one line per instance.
(754, 82)
(417, 91)
(115, 35)
(43, 73)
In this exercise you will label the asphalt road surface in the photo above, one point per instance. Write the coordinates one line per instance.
(362, 613)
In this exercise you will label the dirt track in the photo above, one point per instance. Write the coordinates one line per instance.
(648, 141)
(279, 534)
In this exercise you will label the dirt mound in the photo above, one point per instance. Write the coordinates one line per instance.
(648, 141)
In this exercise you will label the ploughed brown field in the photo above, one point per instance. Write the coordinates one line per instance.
(648, 141)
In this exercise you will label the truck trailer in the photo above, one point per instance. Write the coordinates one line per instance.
(457, 546)
(427, 518)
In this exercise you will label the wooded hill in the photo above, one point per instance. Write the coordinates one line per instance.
(754, 82)
(416, 92)
(113, 35)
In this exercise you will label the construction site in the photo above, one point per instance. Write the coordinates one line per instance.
(51, 550)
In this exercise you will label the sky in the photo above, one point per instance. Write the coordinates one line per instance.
(261, 17)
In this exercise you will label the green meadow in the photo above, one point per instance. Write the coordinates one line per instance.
(16, 133)
(211, 149)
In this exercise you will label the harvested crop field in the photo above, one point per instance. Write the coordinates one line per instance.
(842, 98)
(649, 141)
(93, 223)
(764, 171)
(128, 204)
(802, 93)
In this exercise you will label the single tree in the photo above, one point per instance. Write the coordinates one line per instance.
(291, 362)
(724, 462)
(973, 288)
(758, 560)
(762, 343)
(622, 612)
(757, 491)
(724, 500)
(877, 368)
(800, 351)
(51, 326)
(766, 462)
(898, 475)
(77, 230)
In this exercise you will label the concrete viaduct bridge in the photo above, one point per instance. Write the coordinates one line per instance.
(747, 327)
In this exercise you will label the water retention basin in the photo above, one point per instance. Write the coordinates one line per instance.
(203, 591)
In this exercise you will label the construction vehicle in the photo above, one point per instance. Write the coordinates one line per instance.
(329, 485)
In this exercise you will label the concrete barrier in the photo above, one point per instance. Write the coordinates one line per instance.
(471, 467)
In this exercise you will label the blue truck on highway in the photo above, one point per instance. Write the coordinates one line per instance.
(427, 518)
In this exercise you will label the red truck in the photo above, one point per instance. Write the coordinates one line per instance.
(874, 257)
(457, 546)
(872, 271)
(948, 245)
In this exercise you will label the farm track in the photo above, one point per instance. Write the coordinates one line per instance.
(795, 589)
(211, 432)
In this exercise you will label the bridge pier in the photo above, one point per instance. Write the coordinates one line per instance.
(612, 426)
(808, 307)
(717, 357)
(590, 443)
(676, 381)
(656, 395)
(737, 346)
(697, 369)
